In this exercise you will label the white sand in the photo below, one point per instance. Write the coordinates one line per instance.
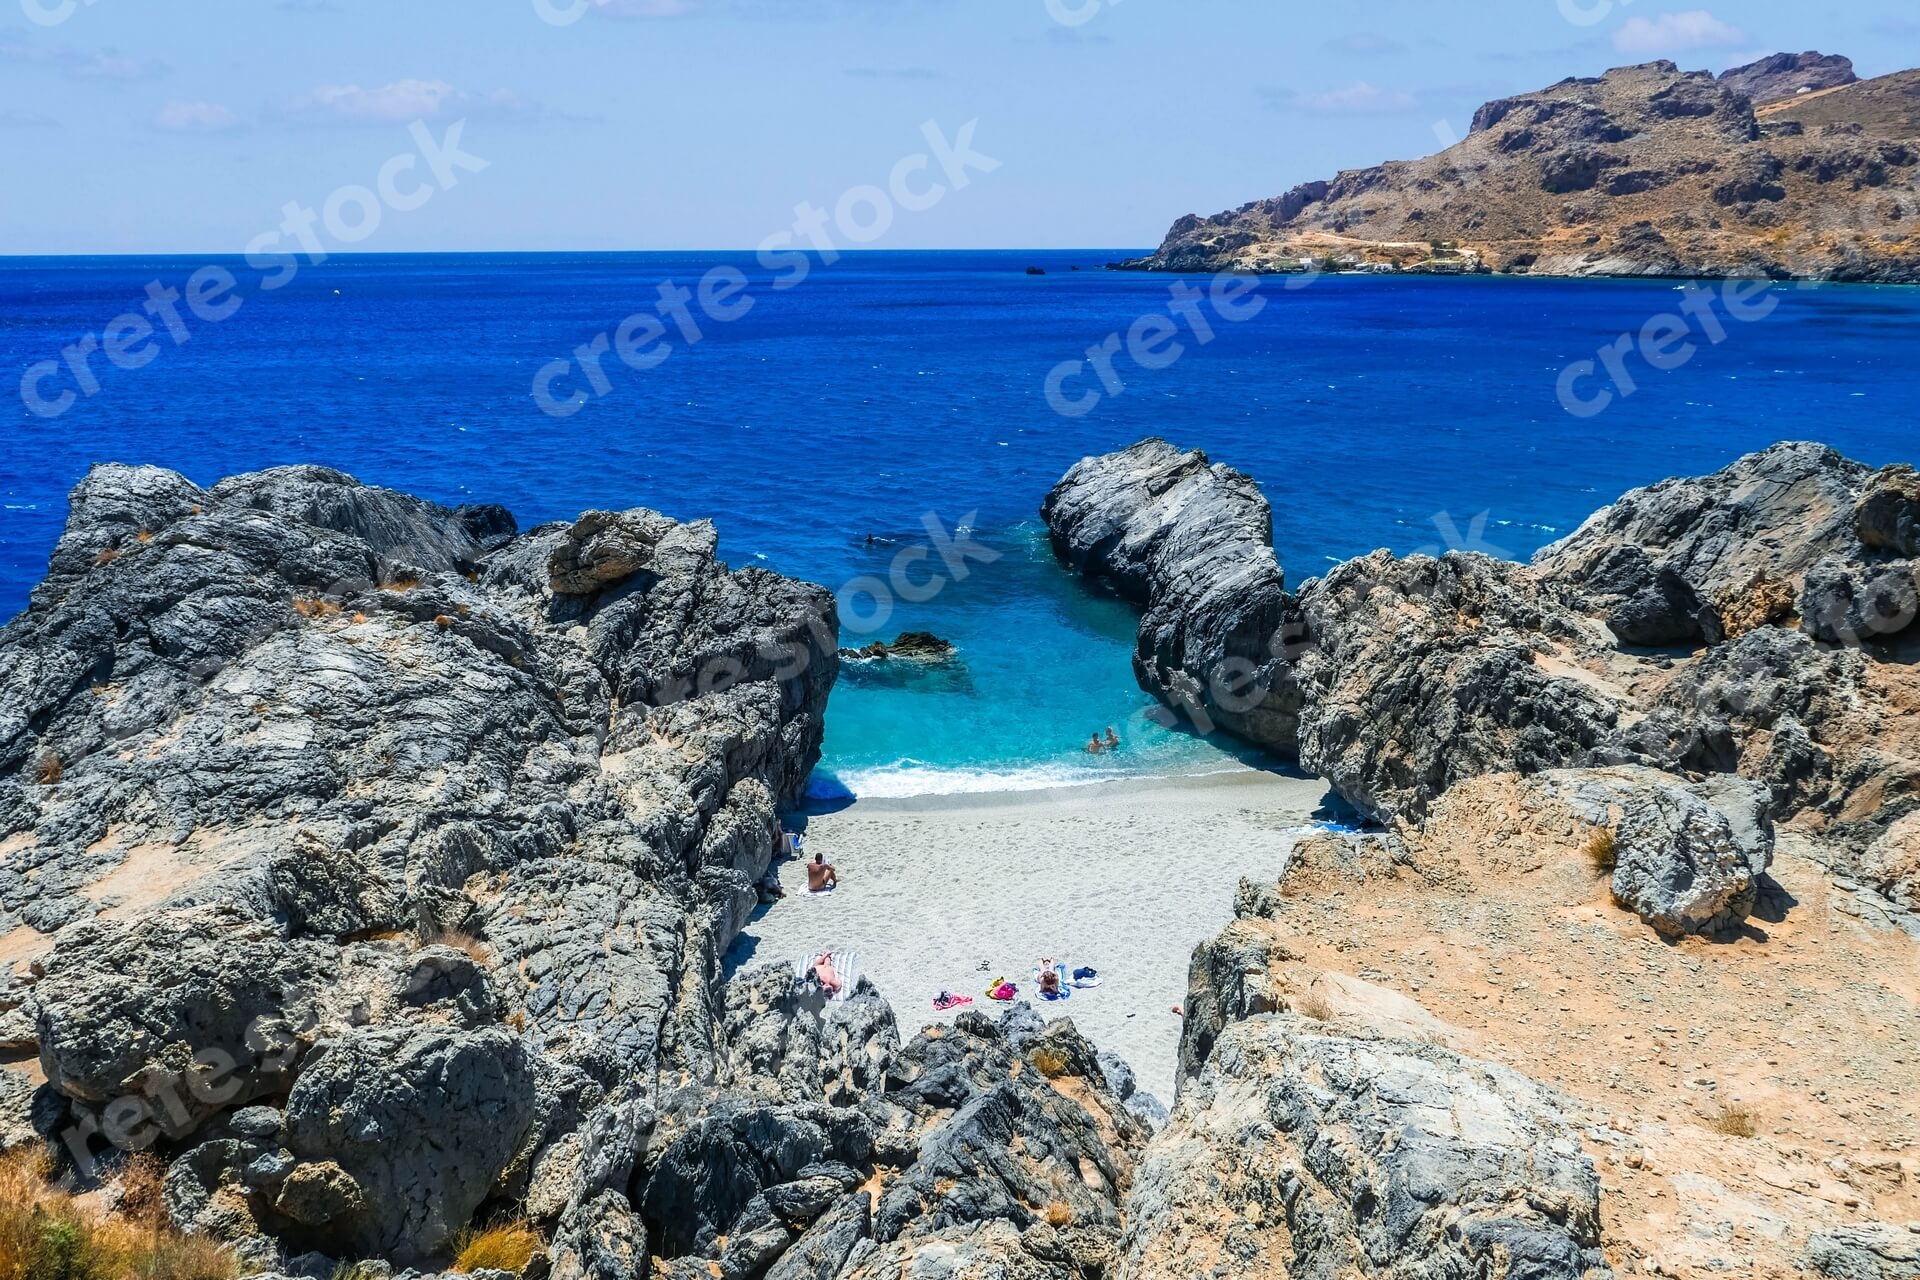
(1123, 877)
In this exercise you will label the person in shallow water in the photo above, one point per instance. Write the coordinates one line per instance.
(821, 877)
(1094, 745)
(1113, 739)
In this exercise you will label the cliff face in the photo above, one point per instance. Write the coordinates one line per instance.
(1645, 171)
(1758, 622)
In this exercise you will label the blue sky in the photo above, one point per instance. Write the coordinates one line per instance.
(184, 126)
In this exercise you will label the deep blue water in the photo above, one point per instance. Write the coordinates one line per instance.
(891, 386)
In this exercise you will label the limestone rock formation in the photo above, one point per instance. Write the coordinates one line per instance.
(428, 831)
(1865, 1251)
(1191, 543)
(1748, 624)
(1334, 1155)
(1788, 75)
(1644, 171)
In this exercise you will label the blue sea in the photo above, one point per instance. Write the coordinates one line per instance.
(827, 426)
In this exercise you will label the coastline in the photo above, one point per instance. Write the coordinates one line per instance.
(1126, 877)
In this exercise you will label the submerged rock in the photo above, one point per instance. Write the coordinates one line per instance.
(910, 646)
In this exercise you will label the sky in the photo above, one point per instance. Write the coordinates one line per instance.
(187, 126)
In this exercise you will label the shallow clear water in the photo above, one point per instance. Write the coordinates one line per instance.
(1375, 412)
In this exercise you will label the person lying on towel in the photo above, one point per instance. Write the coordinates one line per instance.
(825, 974)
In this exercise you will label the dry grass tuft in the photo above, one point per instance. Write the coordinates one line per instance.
(141, 1197)
(1603, 851)
(1058, 1214)
(358, 617)
(315, 607)
(1313, 1005)
(504, 1246)
(442, 621)
(143, 536)
(106, 556)
(476, 950)
(1735, 1121)
(51, 770)
(47, 1235)
(400, 584)
(1050, 1063)
(518, 1020)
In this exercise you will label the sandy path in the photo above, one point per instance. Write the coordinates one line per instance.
(1125, 877)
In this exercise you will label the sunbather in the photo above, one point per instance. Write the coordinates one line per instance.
(823, 972)
(821, 877)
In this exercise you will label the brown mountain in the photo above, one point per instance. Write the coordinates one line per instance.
(1645, 171)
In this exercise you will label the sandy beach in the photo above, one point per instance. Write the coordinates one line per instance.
(949, 892)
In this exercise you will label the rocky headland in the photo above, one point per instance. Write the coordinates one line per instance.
(1790, 168)
(369, 865)
(1610, 796)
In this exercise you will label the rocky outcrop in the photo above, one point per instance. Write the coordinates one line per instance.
(909, 646)
(1191, 543)
(424, 832)
(1333, 1155)
(1866, 1251)
(1644, 171)
(376, 861)
(1750, 623)
(1788, 75)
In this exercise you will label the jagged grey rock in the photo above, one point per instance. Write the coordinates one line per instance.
(1678, 863)
(421, 1122)
(1327, 1156)
(1865, 1251)
(1191, 543)
(1402, 676)
(260, 742)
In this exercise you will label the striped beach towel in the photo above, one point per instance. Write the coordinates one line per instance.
(846, 966)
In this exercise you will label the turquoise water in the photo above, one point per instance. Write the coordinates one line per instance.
(1042, 665)
(1375, 412)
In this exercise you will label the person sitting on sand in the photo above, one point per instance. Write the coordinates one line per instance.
(1094, 746)
(1113, 739)
(823, 972)
(821, 877)
(1050, 983)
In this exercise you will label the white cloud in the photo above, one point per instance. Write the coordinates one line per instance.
(1676, 33)
(405, 101)
(17, 45)
(402, 101)
(1358, 98)
(196, 117)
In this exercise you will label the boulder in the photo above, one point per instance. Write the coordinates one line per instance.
(603, 548)
(1887, 515)
(400, 1134)
(1864, 1251)
(601, 1239)
(1327, 1156)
